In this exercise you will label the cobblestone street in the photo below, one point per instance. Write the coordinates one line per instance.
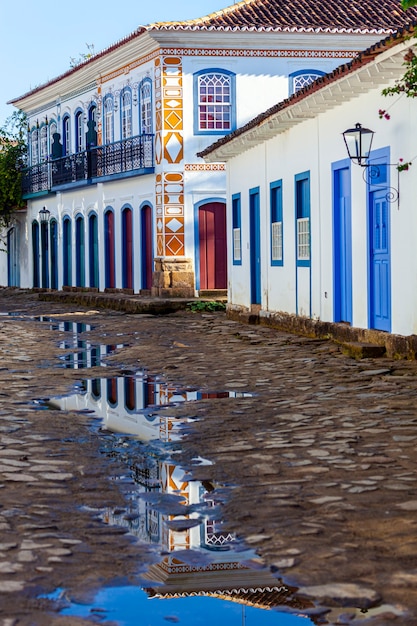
(320, 459)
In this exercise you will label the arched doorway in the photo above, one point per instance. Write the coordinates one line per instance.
(127, 248)
(146, 246)
(13, 273)
(93, 250)
(35, 253)
(109, 252)
(67, 252)
(53, 238)
(79, 252)
(212, 245)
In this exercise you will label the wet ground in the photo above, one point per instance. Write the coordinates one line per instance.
(310, 456)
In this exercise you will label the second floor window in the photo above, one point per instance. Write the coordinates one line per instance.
(108, 120)
(302, 78)
(34, 147)
(66, 138)
(145, 99)
(215, 102)
(126, 113)
(44, 143)
(79, 132)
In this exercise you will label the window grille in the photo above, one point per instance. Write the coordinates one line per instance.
(108, 120)
(44, 143)
(302, 80)
(126, 114)
(303, 238)
(34, 147)
(237, 246)
(146, 107)
(276, 241)
(214, 102)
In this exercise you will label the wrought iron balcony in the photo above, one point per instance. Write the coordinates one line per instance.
(130, 155)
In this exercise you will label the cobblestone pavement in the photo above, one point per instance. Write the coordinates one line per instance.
(321, 461)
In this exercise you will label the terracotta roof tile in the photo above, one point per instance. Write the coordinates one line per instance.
(364, 16)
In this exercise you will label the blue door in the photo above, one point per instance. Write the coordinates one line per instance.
(342, 246)
(380, 271)
(255, 246)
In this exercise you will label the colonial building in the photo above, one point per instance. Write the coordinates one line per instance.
(318, 235)
(116, 196)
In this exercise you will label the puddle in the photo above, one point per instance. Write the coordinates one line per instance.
(199, 569)
(132, 606)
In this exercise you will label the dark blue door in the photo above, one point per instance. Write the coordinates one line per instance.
(342, 246)
(380, 272)
(255, 246)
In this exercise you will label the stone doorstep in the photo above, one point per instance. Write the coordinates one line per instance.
(361, 350)
(380, 343)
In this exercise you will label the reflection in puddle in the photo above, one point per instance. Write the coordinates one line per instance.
(196, 561)
(198, 558)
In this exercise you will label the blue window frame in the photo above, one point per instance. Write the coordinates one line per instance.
(34, 146)
(108, 119)
(66, 137)
(145, 107)
(302, 216)
(302, 78)
(126, 113)
(237, 230)
(277, 231)
(214, 102)
(79, 132)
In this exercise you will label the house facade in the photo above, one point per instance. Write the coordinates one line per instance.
(314, 235)
(116, 196)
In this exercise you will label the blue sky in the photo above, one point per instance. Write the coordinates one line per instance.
(39, 37)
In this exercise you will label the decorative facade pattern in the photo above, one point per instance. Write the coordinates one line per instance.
(169, 151)
(260, 53)
(205, 167)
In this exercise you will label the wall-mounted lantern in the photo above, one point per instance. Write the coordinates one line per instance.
(44, 215)
(358, 143)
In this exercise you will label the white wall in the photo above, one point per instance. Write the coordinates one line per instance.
(314, 145)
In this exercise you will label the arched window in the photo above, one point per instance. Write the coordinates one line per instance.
(53, 129)
(126, 113)
(214, 93)
(108, 120)
(145, 108)
(34, 147)
(79, 132)
(66, 137)
(44, 143)
(302, 78)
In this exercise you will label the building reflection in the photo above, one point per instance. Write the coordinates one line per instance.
(181, 516)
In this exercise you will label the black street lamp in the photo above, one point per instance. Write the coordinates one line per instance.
(358, 143)
(44, 215)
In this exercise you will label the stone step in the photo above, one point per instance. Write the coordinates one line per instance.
(362, 350)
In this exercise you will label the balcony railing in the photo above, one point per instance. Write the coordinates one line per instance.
(135, 153)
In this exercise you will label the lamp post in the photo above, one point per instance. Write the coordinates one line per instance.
(358, 143)
(44, 216)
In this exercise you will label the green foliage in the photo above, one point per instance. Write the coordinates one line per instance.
(13, 151)
(206, 305)
(408, 82)
(407, 4)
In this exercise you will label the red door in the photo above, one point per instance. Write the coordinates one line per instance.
(212, 245)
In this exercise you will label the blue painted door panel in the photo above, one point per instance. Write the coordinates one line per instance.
(380, 293)
(342, 246)
(255, 248)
